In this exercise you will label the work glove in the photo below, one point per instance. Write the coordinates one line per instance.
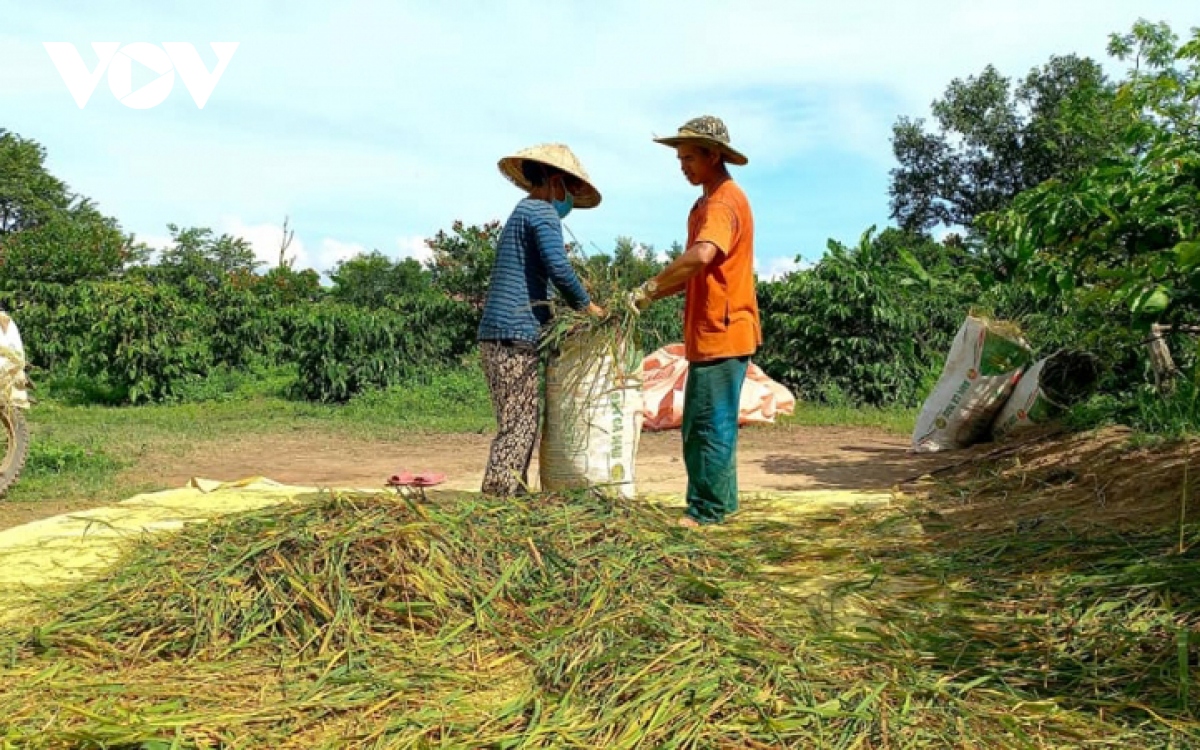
(639, 299)
(633, 301)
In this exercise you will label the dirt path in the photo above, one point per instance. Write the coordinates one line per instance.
(770, 459)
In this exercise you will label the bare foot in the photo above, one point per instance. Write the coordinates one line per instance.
(688, 522)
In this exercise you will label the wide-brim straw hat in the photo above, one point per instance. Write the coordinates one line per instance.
(707, 131)
(557, 155)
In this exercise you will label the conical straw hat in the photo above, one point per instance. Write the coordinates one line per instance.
(555, 155)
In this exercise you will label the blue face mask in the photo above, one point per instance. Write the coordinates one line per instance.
(564, 206)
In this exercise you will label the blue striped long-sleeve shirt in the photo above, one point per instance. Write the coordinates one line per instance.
(530, 253)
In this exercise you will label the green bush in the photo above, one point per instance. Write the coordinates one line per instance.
(145, 339)
(141, 340)
(343, 350)
(661, 324)
(868, 325)
(244, 331)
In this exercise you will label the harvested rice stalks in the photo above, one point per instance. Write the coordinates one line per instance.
(561, 621)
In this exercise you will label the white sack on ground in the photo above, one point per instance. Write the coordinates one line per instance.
(12, 364)
(1046, 390)
(983, 367)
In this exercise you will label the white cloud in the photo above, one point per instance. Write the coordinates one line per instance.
(776, 268)
(414, 247)
(267, 237)
(333, 251)
(266, 240)
(156, 242)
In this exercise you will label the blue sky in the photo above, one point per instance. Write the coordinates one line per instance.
(373, 125)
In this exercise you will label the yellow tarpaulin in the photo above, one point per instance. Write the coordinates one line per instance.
(74, 546)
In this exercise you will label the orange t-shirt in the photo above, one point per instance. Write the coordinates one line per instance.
(720, 317)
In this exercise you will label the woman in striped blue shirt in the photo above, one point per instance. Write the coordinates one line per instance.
(530, 255)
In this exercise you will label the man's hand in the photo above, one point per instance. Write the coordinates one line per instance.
(596, 310)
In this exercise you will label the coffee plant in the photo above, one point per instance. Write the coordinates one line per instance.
(866, 325)
(344, 350)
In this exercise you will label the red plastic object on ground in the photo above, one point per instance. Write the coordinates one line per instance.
(409, 479)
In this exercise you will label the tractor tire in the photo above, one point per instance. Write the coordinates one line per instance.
(14, 441)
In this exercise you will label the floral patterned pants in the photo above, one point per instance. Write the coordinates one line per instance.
(511, 370)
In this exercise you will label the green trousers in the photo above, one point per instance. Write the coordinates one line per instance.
(710, 432)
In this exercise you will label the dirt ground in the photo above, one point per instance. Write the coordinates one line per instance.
(1085, 483)
(769, 459)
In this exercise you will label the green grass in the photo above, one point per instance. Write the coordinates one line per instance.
(1155, 417)
(433, 402)
(52, 466)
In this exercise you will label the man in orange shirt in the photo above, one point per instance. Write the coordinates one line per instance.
(721, 320)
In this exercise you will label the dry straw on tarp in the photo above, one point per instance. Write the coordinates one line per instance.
(570, 621)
